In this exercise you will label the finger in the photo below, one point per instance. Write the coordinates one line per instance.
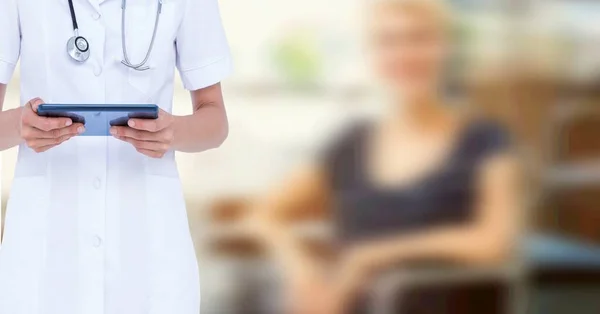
(43, 142)
(165, 136)
(150, 153)
(123, 131)
(33, 133)
(163, 121)
(147, 145)
(146, 124)
(34, 104)
(44, 123)
(44, 148)
(31, 118)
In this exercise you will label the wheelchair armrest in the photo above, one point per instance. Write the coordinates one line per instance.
(388, 287)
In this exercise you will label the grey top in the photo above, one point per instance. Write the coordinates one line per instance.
(364, 211)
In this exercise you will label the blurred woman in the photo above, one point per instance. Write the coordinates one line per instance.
(426, 182)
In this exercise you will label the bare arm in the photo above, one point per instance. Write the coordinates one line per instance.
(201, 67)
(306, 188)
(207, 127)
(488, 239)
(9, 123)
(10, 50)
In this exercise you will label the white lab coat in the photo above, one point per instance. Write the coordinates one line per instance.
(92, 226)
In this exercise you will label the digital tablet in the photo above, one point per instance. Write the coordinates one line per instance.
(99, 118)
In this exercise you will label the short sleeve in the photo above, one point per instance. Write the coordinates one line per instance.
(496, 139)
(487, 139)
(342, 158)
(203, 55)
(10, 39)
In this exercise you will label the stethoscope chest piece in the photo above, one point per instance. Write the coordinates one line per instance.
(78, 48)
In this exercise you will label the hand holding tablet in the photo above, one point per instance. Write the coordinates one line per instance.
(153, 138)
(98, 119)
(43, 133)
(146, 127)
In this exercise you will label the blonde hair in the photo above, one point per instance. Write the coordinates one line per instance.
(438, 10)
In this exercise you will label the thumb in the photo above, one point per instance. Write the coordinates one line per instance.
(35, 103)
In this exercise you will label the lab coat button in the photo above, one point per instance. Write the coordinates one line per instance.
(97, 183)
(96, 16)
(98, 71)
(97, 242)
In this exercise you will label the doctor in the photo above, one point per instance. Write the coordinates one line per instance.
(98, 225)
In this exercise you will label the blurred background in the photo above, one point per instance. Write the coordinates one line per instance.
(301, 76)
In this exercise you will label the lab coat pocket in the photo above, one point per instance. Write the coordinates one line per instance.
(162, 167)
(173, 266)
(26, 211)
(139, 22)
(22, 250)
(141, 82)
(169, 216)
(30, 163)
(147, 40)
(170, 246)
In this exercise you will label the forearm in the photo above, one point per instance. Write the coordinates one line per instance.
(287, 250)
(271, 218)
(206, 129)
(489, 238)
(9, 128)
(366, 261)
(468, 245)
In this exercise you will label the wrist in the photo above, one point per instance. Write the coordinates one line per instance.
(13, 117)
(176, 124)
(367, 259)
(10, 128)
(17, 121)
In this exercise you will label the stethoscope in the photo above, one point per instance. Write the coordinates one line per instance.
(79, 48)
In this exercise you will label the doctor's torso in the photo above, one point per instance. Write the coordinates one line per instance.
(93, 226)
(48, 72)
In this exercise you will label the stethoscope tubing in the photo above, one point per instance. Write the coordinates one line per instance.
(142, 65)
(82, 55)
